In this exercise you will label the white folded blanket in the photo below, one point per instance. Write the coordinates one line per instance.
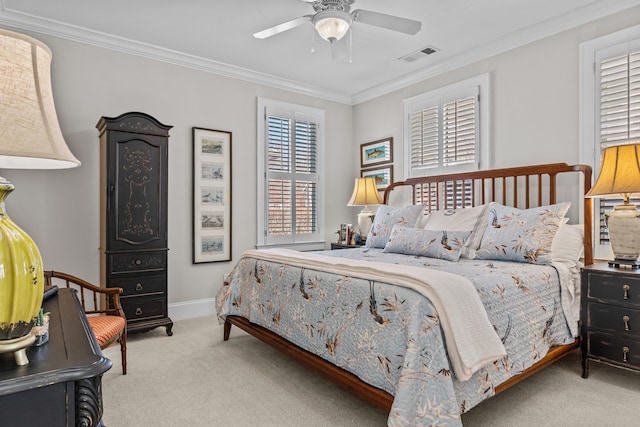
(471, 341)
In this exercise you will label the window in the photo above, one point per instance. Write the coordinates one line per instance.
(290, 189)
(446, 131)
(611, 111)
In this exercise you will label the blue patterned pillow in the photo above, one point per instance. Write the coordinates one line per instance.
(430, 243)
(521, 235)
(386, 218)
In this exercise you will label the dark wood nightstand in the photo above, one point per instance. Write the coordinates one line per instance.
(335, 246)
(610, 313)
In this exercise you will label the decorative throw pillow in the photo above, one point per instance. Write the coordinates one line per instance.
(430, 243)
(466, 219)
(386, 218)
(519, 235)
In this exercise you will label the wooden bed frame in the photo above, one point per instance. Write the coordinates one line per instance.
(524, 187)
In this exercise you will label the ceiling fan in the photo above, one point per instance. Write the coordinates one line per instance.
(332, 20)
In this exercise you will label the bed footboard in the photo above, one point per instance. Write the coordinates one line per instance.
(373, 395)
(341, 377)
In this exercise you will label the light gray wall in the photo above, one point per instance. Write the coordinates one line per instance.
(535, 102)
(534, 99)
(60, 208)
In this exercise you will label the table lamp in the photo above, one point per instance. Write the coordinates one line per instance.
(365, 192)
(620, 175)
(30, 138)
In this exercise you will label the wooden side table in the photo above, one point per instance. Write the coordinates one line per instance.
(61, 385)
(610, 313)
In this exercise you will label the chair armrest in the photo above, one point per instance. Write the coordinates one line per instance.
(111, 294)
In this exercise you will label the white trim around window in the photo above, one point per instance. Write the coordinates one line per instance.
(302, 224)
(432, 107)
(591, 52)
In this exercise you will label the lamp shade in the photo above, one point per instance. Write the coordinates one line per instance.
(332, 25)
(365, 192)
(619, 172)
(30, 136)
(620, 175)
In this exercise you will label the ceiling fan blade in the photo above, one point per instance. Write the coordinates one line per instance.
(390, 22)
(282, 27)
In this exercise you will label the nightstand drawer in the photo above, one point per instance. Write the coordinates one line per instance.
(615, 349)
(622, 320)
(617, 289)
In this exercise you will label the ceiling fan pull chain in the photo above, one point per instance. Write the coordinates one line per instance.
(350, 46)
(313, 40)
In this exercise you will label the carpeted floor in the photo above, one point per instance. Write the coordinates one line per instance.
(195, 379)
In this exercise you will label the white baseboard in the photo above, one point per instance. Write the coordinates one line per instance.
(191, 309)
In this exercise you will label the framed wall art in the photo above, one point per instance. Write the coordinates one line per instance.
(376, 152)
(211, 195)
(383, 176)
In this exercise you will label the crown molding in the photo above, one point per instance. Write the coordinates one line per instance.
(509, 42)
(27, 22)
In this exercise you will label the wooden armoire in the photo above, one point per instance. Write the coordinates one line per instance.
(133, 216)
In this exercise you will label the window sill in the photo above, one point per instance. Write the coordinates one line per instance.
(305, 246)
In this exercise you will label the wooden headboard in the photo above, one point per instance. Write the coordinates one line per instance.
(524, 187)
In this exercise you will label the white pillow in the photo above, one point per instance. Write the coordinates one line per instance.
(422, 218)
(466, 219)
(568, 244)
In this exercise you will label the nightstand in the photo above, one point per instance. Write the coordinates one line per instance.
(335, 246)
(610, 313)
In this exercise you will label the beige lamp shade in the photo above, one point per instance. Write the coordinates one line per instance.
(619, 172)
(365, 192)
(620, 175)
(30, 136)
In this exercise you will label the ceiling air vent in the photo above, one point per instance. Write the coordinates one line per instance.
(422, 53)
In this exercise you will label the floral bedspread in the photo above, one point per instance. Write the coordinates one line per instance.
(390, 336)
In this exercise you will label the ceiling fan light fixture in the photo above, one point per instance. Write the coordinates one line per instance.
(332, 25)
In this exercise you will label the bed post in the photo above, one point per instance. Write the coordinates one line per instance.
(227, 330)
(588, 214)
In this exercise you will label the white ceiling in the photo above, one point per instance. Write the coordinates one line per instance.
(216, 35)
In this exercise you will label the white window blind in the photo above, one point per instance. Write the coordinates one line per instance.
(620, 98)
(446, 131)
(289, 175)
(618, 109)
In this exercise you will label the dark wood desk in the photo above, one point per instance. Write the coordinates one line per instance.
(61, 385)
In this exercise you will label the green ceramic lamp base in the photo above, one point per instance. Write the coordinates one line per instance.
(22, 281)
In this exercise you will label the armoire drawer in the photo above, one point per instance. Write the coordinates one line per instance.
(139, 262)
(140, 285)
(143, 308)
